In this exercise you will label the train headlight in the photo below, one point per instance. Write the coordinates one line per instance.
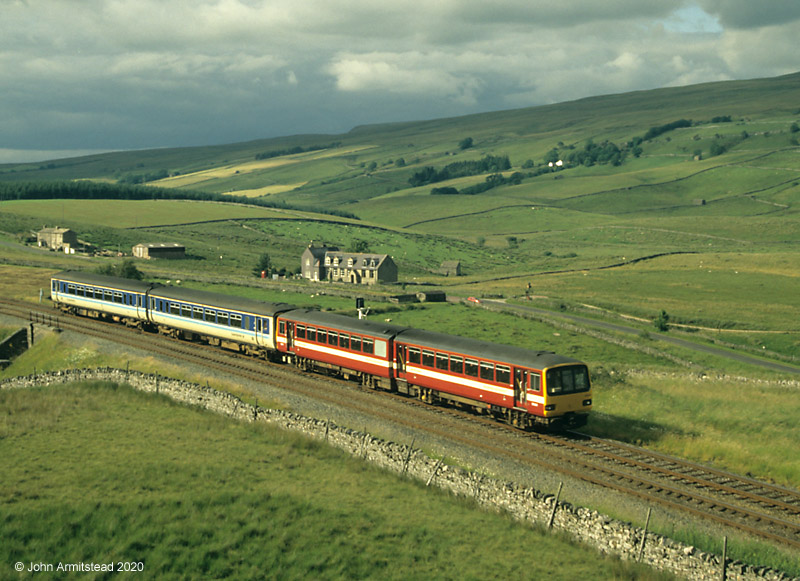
(550, 407)
(587, 402)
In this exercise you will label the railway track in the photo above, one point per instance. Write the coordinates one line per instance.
(742, 503)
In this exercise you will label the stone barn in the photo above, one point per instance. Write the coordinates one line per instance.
(159, 250)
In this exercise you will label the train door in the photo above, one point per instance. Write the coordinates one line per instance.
(289, 336)
(400, 358)
(520, 387)
(262, 331)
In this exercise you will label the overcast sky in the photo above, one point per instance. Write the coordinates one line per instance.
(123, 74)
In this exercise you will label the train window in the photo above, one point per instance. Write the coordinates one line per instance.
(380, 348)
(311, 334)
(367, 345)
(581, 378)
(456, 364)
(441, 361)
(413, 355)
(282, 327)
(344, 341)
(118, 298)
(211, 316)
(236, 321)
(322, 336)
(247, 323)
(197, 313)
(536, 382)
(503, 374)
(427, 358)
(471, 367)
(71, 289)
(174, 309)
(300, 331)
(222, 318)
(487, 371)
(54, 285)
(355, 343)
(333, 338)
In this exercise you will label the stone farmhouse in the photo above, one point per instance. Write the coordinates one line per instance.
(57, 238)
(324, 263)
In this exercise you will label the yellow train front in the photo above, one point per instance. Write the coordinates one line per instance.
(567, 395)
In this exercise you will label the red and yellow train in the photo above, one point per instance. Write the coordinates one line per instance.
(519, 386)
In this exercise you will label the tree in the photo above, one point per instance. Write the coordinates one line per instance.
(661, 322)
(465, 143)
(126, 269)
(264, 265)
(360, 246)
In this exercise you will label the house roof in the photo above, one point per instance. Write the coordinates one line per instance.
(174, 245)
(361, 261)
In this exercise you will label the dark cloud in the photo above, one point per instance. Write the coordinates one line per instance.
(116, 74)
(746, 14)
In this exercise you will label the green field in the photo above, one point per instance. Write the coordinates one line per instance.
(100, 473)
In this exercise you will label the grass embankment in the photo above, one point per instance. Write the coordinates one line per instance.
(702, 420)
(101, 473)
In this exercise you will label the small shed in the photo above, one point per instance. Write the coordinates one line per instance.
(56, 238)
(450, 268)
(436, 296)
(159, 250)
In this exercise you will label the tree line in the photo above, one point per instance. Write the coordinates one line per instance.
(295, 150)
(430, 175)
(87, 190)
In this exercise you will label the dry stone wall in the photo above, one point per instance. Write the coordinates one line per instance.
(523, 503)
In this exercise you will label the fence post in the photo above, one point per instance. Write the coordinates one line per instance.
(644, 535)
(435, 470)
(724, 558)
(408, 456)
(555, 506)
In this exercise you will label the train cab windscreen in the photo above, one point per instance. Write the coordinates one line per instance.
(564, 380)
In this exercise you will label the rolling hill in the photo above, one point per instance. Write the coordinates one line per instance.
(709, 170)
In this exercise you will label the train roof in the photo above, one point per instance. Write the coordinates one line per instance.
(484, 349)
(220, 301)
(113, 282)
(344, 323)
